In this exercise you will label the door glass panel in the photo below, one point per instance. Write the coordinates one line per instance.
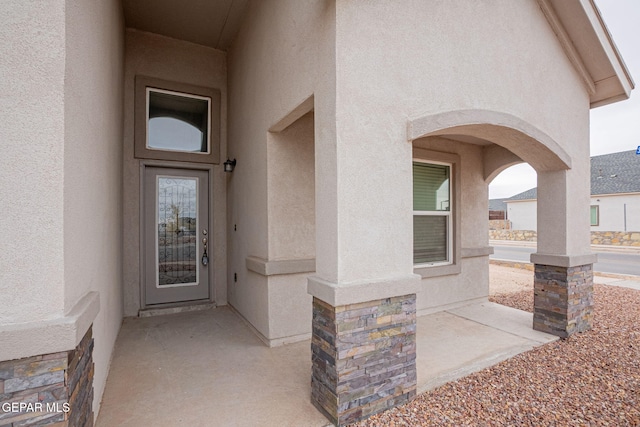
(177, 245)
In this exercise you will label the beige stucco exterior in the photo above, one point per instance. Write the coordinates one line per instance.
(324, 105)
(61, 178)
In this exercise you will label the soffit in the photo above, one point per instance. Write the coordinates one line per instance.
(468, 139)
(212, 23)
(598, 55)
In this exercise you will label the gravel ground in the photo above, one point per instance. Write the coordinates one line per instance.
(589, 379)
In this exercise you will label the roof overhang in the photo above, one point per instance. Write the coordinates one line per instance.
(588, 44)
(212, 23)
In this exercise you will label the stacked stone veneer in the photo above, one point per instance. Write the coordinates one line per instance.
(55, 389)
(363, 357)
(517, 235)
(614, 238)
(617, 238)
(563, 299)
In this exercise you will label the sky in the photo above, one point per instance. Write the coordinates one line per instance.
(614, 127)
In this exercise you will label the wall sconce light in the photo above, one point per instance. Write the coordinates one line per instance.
(229, 165)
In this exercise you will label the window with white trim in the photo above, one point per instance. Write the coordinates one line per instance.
(432, 234)
(595, 215)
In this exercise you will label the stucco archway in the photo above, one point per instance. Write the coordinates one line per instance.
(563, 259)
(516, 139)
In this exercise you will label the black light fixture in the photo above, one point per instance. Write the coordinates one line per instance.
(229, 165)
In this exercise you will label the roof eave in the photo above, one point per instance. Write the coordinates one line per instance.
(599, 62)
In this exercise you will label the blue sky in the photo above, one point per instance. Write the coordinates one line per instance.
(614, 127)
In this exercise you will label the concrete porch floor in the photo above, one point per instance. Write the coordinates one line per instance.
(207, 368)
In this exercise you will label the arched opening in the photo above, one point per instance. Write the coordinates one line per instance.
(488, 143)
(515, 139)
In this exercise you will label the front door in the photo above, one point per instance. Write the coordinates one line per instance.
(176, 235)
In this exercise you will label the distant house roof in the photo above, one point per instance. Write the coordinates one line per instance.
(497, 204)
(610, 174)
(531, 194)
(615, 173)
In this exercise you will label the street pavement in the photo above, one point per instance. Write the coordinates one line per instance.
(614, 259)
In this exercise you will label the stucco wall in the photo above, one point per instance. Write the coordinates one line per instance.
(612, 212)
(523, 215)
(457, 62)
(60, 177)
(32, 160)
(291, 189)
(177, 61)
(93, 170)
(275, 64)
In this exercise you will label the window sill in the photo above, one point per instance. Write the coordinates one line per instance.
(437, 270)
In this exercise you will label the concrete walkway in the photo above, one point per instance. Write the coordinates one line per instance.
(207, 368)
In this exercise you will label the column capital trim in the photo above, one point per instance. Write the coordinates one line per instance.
(49, 336)
(337, 294)
(563, 260)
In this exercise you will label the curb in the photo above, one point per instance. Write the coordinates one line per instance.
(594, 248)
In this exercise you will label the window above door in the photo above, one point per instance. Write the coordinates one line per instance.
(176, 121)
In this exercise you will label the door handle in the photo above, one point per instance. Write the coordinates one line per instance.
(205, 257)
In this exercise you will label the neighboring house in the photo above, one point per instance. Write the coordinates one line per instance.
(363, 135)
(615, 196)
(522, 210)
(497, 209)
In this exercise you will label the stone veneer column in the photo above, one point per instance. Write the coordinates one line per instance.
(58, 388)
(363, 357)
(563, 299)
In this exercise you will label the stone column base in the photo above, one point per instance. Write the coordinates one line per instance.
(363, 356)
(49, 390)
(563, 299)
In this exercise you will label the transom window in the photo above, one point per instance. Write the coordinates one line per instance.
(431, 213)
(177, 122)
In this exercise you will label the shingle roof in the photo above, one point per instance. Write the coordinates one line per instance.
(497, 205)
(530, 194)
(610, 174)
(615, 173)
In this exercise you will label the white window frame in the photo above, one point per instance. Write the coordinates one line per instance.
(447, 214)
(208, 100)
(597, 224)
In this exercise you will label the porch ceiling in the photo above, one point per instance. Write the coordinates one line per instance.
(212, 23)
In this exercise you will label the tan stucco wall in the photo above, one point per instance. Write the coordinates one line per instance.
(60, 178)
(457, 62)
(177, 61)
(274, 66)
(291, 189)
(93, 170)
(32, 160)
(383, 81)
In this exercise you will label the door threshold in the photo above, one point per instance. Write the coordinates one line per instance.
(176, 308)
